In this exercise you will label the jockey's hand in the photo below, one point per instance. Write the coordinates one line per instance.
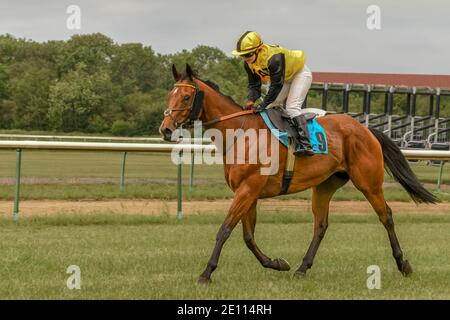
(259, 108)
(249, 104)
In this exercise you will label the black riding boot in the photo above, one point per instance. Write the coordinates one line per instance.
(303, 136)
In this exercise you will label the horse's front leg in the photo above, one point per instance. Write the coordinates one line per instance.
(245, 196)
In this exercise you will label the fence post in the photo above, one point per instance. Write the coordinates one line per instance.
(437, 111)
(431, 106)
(345, 96)
(17, 195)
(179, 189)
(441, 169)
(390, 106)
(324, 96)
(413, 110)
(367, 100)
(122, 173)
(191, 178)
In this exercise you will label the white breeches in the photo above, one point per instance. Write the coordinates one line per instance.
(294, 92)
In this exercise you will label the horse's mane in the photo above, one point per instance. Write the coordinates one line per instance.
(215, 87)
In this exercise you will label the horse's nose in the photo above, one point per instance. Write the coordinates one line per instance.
(167, 134)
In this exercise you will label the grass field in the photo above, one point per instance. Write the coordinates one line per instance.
(155, 257)
(139, 257)
(96, 175)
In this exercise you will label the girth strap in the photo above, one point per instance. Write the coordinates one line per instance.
(289, 169)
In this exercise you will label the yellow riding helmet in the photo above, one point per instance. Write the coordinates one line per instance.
(248, 42)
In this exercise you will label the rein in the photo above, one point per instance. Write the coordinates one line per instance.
(230, 116)
(196, 107)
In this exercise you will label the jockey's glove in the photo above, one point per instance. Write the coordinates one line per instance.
(249, 104)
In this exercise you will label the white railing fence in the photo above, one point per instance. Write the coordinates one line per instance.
(185, 146)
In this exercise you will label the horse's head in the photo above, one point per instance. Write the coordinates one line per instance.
(184, 103)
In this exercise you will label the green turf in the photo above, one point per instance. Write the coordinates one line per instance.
(59, 164)
(67, 164)
(141, 257)
(138, 257)
(96, 175)
(169, 192)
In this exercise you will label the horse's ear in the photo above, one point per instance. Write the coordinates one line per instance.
(189, 71)
(176, 74)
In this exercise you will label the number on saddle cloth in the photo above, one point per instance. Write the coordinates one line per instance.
(279, 126)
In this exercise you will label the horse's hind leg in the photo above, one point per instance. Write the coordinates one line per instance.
(248, 226)
(380, 206)
(367, 174)
(370, 183)
(321, 197)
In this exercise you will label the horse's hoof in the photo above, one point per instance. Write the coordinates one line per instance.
(299, 274)
(204, 280)
(281, 264)
(406, 268)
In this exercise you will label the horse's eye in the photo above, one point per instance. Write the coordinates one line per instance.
(186, 98)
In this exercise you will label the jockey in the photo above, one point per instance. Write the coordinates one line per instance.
(290, 80)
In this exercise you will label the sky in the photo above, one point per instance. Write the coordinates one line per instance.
(413, 36)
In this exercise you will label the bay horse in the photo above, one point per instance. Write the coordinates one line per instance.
(355, 153)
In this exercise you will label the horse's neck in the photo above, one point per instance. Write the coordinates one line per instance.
(217, 106)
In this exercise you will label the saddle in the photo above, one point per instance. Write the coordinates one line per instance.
(280, 119)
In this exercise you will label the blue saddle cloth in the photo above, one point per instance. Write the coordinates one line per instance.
(318, 137)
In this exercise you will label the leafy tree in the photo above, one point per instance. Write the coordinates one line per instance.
(212, 64)
(229, 74)
(80, 98)
(179, 59)
(205, 57)
(135, 68)
(8, 48)
(93, 50)
(90, 84)
(122, 128)
(3, 83)
(145, 110)
(6, 114)
(29, 93)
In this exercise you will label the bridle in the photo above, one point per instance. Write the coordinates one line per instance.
(196, 108)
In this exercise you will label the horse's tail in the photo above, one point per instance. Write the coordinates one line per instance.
(395, 161)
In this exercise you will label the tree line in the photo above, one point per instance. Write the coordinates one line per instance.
(90, 84)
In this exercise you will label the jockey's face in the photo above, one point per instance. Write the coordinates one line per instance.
(249, 57)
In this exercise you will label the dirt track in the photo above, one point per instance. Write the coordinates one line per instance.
(157, 207)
